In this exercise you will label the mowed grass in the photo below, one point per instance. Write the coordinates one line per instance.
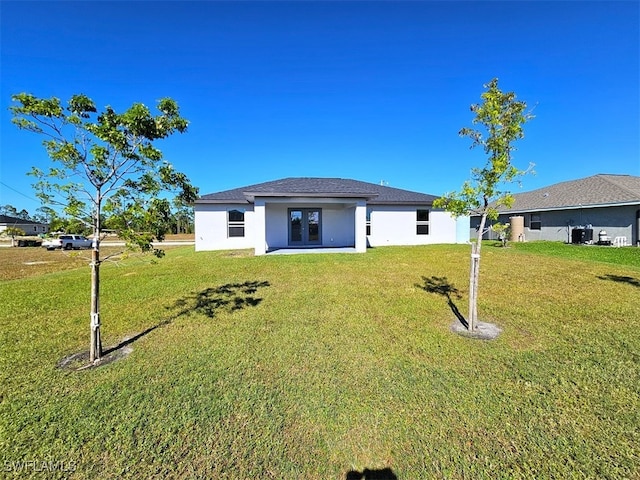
(314, 366)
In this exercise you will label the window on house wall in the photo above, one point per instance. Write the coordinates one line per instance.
(235, 223)
(535, 223)
(368, 221)
(422, 222)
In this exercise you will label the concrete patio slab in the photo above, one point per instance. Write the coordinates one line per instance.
(297, 251)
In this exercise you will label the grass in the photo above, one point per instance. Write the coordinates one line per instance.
(315, 366)
(619, 256)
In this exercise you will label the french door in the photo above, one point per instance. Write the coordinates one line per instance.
(305, 226)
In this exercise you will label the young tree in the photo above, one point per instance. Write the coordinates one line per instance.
(503, 230)
(13, 232)
(106, 163)
(502, 117)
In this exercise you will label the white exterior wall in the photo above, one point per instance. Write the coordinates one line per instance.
(337, 223)
(396, 225)
(211, 227)
(259, 227)
(267, 225)
(361, 227)
(277, 226)
(463, 229)
(338, 227)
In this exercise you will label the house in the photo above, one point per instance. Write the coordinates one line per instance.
(321, 212)
(29, 227)
(600, 203)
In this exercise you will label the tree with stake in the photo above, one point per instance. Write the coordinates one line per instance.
(502, 117)
(106, 164)
(13, 232)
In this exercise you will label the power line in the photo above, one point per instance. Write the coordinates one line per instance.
(19, 192)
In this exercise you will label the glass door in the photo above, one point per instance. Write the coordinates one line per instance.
(305, 226)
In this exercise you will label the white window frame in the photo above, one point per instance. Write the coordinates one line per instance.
(236, 224)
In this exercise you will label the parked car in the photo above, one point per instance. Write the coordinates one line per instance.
(67, 242)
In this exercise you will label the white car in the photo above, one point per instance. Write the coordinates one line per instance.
(67, 242)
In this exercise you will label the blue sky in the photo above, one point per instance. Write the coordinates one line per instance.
(373, 91)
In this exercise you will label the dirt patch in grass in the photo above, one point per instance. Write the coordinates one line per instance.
(18, 262)
(483, 330)
(239, 253)
(80, 360)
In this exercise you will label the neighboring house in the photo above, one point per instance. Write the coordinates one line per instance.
(609, 203)
(321, 212)
(29, 227)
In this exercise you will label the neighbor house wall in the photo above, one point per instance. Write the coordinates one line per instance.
(211, 227)
(28, 228)
(396, 225)
(556, 225)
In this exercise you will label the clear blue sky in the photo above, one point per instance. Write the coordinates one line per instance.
(373, 91)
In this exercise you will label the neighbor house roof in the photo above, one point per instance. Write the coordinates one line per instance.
(7, 220)
(596, 191)
(319, 187)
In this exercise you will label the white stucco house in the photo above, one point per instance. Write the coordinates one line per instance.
(321, 212)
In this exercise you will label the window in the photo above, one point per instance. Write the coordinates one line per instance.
(535, 222)
(368, 221)
(235, 223)
(422, 222)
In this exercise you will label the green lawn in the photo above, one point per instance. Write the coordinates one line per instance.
(314, 366)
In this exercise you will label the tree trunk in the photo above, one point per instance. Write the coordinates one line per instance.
(471, 321)
(95, 349)
(95, 345)
(474, 276)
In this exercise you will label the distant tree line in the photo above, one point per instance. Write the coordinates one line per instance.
(180, 220)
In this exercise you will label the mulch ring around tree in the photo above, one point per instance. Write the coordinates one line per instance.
(483, 330)
(80, 361)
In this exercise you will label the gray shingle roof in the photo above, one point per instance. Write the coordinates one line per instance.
(597, 190)
(6, 219)
(320, 187)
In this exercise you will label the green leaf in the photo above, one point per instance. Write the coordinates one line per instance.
(112, 159)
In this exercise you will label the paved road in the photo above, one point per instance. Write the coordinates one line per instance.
(168, 243)
(121, 244)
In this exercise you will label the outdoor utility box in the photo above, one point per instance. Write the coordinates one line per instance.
(517, 228)
(582, 235)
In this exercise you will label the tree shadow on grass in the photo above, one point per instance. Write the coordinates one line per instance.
(621, 279)
(228, 297)
(366, 474)
(442, 286)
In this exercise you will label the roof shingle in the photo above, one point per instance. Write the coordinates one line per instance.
(15, 220)
(597, 190)
(327, 187)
